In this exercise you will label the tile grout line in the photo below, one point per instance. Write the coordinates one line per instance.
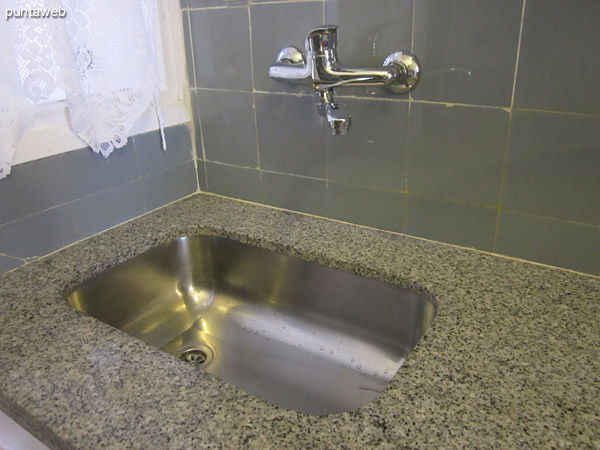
(559, 219)
(190, 90)
(239, 6)
(195, 161)
(200, 88)
(24, 260)
(514, 87)
(547, 111)
(406, 147)
(193, 62)
(412, 29)
(408, 123)
(196, 111)
(410, 99)
(260, 174)
(508, 131)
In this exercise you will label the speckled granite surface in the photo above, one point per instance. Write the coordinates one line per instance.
(512, 359)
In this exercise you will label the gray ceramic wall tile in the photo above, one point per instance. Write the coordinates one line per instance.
(229, 127)
(189, 56)
(275, 26)
(169, 185)
(221, 42)
(553, 166)
(296, 193)
(152, 158)
(201, 175)
(467, 50)
(571, 30)
(39, 234)
(88, 172)
(32, 187)
(105, 209)
(456, 152)
(368, 32)
(290, 135)
(7, 263)
(236, 182)
(451, 222)
(364, 206)
(550, 241)
(373, 152)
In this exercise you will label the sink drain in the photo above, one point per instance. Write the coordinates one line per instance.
(194, 356)
(199, 356)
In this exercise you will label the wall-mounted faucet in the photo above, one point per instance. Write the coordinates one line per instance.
(322, 70)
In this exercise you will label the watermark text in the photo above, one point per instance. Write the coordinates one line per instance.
(35, 13)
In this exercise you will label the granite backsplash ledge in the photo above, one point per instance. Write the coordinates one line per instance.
(511, 360)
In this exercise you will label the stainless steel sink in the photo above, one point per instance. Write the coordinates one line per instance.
(300, 335)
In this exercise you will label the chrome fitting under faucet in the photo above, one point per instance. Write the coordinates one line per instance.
(337, 114)
(322, 70)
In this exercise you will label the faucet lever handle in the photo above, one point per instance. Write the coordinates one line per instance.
(322, 38)
(324, 29)
(290, 55)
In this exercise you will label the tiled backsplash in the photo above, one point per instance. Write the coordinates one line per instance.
(498, 148)
(52, 202)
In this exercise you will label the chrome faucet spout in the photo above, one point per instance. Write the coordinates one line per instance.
(331, 77)
(337, 114)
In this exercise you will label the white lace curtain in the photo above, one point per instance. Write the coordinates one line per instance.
(98, 54)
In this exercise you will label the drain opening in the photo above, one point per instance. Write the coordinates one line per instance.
(194, 356)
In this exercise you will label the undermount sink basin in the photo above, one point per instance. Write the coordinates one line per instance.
(297, 334)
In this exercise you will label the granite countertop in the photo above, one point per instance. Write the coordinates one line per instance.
(512, 359)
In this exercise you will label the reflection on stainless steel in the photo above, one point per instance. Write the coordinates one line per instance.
(297, 334)
(322, 70)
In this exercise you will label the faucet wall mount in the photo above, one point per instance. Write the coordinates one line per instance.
(321, 70)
